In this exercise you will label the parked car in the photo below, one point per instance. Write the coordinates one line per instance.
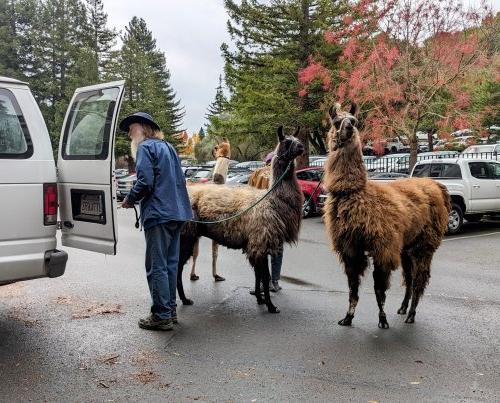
(212, 163)
(252, 165)
(202, 175)
(473, 184)
(389, 163)
(308, 180)
(486, 151)
(238, 179)
(318, 162)
(124, 185)
(81, 191)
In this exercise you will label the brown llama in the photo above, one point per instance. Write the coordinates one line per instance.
(259, 232)
(222, 154)
(398, 223)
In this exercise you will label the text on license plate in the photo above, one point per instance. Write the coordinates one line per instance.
(91, 205)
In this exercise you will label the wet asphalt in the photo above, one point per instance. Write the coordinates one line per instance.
(75, 338)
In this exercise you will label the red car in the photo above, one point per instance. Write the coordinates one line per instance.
(308, 179)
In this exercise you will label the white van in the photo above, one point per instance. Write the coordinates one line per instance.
(33, 191)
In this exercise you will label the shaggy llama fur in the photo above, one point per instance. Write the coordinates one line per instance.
(222, 153)
(398, 223)
(260, 232)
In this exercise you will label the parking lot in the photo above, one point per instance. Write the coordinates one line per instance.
(76, 337)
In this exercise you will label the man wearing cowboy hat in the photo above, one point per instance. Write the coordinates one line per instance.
(165, 206)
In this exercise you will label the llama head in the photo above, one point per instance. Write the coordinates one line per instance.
(343, 131)
(222, 149)
(289, 147)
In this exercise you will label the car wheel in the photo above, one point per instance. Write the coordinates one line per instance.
(474, 217)
(308, 206)
(455, 219)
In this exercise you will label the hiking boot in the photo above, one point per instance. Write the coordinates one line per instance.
(152, 323)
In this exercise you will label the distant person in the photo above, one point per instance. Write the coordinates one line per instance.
(165, 206)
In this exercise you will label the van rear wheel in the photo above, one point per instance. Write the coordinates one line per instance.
(455, 219)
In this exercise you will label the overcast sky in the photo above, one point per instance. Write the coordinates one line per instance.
(190, 33)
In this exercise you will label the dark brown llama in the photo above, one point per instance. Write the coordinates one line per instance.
(260, 232)
(398, 223)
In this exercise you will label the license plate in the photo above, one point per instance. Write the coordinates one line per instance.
(91, 205)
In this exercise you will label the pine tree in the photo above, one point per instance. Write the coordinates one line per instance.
(201, 133)
(9, 63)
(273, 41)
(219, 104)
(101, 38)
(147, 81)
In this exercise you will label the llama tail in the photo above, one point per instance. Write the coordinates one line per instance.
(446, 197)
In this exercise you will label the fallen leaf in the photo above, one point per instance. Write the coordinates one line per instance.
(102, 384)
(415, 383)
(419, 361)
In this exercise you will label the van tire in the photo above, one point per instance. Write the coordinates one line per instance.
(455, 219)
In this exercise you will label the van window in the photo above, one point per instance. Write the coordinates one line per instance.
(88, 127)
(15, 141)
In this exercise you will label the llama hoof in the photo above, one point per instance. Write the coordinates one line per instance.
(187, 301)
(194, 277)
(382, 322)
(273, 309)
(402, 310)
(347, 321)
(410, 318)
(219, 278)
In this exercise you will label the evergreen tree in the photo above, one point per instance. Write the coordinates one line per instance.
(219, 104)
(9, 63)
(201, 133)
(101, 38)
(273, 41)
(143, 67)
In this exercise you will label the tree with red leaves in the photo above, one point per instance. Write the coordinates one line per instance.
(412, 70)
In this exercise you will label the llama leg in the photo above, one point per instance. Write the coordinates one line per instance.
(265, 285)
(196, 250)
(215, 254)
(407, 269)
(421, 276)
(354, 268)
(187, 245)
(381, 283)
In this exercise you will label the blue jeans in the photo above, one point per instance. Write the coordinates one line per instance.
(162, 258)
(276, 262)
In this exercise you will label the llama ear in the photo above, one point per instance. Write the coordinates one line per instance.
(225, 140)
(281, 135)
(354, 109)
(297, 131)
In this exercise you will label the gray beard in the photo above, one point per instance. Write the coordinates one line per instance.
(134, 145)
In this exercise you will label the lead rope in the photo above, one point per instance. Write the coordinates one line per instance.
(238, 213)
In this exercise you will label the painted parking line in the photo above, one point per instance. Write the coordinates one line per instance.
(471, 236)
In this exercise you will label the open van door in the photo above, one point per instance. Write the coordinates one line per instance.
(85, 168)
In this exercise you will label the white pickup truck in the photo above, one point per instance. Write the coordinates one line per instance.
(473, 184)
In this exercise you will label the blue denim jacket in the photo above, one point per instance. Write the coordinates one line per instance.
(160, 185)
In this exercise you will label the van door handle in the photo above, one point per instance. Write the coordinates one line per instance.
(476, 186)
(68, 224)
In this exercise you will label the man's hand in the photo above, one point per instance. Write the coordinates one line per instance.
(127, 204)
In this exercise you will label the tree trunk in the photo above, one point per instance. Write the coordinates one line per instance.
(303, 160)
(431, 139)
(413, 150)
(130, 163)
